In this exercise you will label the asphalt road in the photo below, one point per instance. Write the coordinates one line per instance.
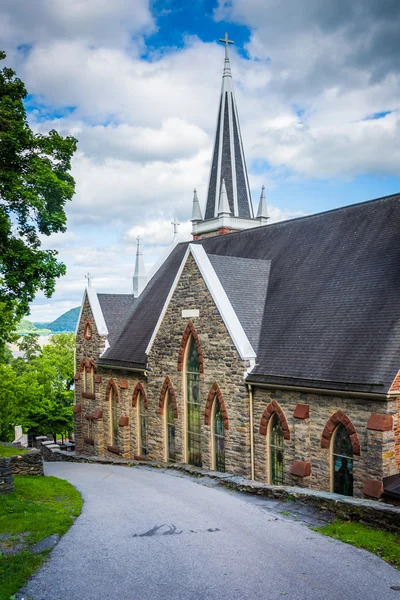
(147, 535)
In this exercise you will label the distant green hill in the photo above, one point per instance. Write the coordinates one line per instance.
(67, 322)
(25, 327)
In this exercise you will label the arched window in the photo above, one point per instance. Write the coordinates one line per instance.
(219, 437)
(342, 462)
(142, 426)
(193, 408)
(113, 416)
(170, 428)
(276, 451)
(92, 379)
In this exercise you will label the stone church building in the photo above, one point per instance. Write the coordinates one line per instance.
(271, 351)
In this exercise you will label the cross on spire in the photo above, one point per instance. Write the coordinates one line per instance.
(89, 279)
(225, 40)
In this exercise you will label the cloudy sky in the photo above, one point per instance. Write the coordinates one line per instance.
(137, 82)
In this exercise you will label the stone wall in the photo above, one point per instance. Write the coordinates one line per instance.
(89, 346)
(6, 478)
(306, 442)
(30, 463)
(222, 365)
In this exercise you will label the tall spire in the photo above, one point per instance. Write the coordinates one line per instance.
(196, 211)
(262, 212)
(228, 161)
(139, 277)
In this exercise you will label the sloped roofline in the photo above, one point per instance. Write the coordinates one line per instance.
(91, 294)
(230, 318)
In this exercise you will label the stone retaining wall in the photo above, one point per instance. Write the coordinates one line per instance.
(30, 463)
(6, 478)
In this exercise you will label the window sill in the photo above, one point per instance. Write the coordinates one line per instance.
(114, 449)
(89, 395)
(89, 441)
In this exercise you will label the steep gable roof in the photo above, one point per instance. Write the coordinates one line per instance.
(245, 281)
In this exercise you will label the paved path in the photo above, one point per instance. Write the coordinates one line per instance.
(149, 535)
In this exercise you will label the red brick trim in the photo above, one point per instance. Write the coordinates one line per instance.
(92, 363)
(77, 408)
(89, 441)
(302, 411)
(273, 407)
(95, 416)
(301, 469)
(224, 230)
(373, 488)
(215, 392)
(87, 330)
(111, 384)
(340, 417)
(395, 387)
(139, 389)
(167, 386)
(123, 384)
(379, 422)
(88, 395)
(85, 365)
(114, 449)
(123, 421)
(190, 330)
(98, 379)
(77, 377)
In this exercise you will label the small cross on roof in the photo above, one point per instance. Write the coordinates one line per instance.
(225, 40)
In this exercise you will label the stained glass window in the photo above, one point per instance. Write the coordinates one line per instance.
(276, 448)
(142, 426)
(171, 453)
(113, 418)
(193, 405)
(342, 462)
(219, 438)
(92, 379)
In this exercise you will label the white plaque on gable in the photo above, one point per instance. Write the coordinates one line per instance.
(190, 312)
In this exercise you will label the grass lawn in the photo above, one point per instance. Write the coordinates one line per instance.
(386, 545)
(6, 451)
(39, 507)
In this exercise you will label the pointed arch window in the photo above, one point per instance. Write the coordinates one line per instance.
(142, 426)
(219, 437)
(170, 428)
(276, 451)
(193, 408)
(113, 416)
(342, 462)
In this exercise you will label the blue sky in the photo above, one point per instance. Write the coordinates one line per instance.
(318, 93)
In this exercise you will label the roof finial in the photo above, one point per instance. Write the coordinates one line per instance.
(223, 207)
(89, 279)
(139, 277)
(196, 211)
(227, 67)
(262, 212)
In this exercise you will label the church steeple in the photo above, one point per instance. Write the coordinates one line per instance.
(228, 161)
(228, 206)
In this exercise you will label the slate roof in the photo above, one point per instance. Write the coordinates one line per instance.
(245, 282)
(331, 316)
(115, 309)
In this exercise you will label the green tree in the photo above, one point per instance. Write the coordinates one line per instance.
(29, 345)
(35, 184)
